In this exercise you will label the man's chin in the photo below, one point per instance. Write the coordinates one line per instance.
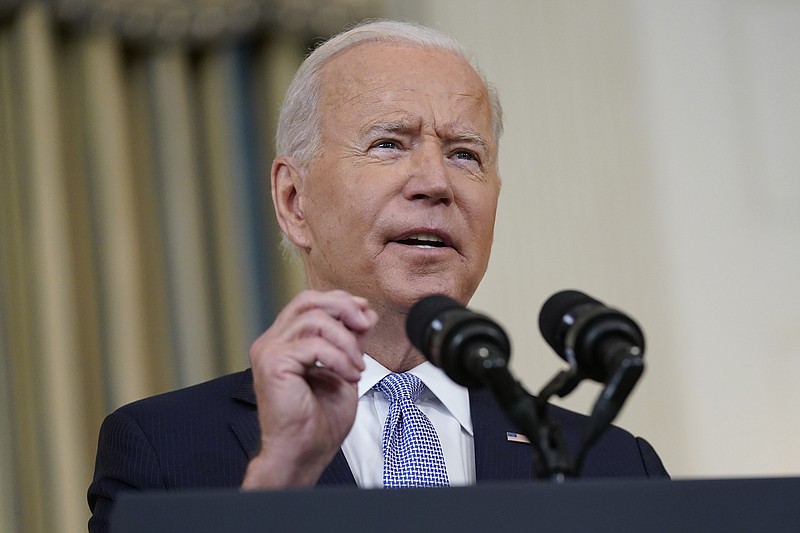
(404, 298)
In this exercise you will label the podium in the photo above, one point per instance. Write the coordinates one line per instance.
(733, 505)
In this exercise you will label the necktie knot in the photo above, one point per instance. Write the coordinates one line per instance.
(399, 387)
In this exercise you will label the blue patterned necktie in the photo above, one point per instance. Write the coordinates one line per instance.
(412, 453)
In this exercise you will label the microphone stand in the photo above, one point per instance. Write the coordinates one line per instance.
(551, 456)
(607, 406)
(610, 401)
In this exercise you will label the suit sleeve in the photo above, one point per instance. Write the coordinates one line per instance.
(652, 462)
(125, 460)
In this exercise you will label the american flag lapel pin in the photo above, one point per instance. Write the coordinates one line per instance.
(516, 437)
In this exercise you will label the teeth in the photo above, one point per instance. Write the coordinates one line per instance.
(423, 240)
(429, 237)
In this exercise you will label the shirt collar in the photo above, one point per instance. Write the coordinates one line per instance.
(453, 396)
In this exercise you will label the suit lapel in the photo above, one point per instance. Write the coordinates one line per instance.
(245, 427)
(496, 458)
(247, 430)
(338, 472)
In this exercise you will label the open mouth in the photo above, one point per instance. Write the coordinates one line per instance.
(423, 240)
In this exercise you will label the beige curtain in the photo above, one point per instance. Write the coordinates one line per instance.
(137, 243)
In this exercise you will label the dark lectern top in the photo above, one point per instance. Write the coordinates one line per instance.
(733, 505)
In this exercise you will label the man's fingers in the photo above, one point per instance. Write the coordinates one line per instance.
(303, 355)
(336, 316)
(352, 311)
(317, 323)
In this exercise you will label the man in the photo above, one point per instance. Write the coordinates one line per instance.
(386, 183)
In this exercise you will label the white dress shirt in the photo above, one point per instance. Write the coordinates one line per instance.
(444, 402)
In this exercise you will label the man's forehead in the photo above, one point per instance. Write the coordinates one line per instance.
(393, 92)
(370, 69)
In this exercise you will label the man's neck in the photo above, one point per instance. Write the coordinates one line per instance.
(389, 345)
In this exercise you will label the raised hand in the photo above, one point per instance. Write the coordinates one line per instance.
(306, 368)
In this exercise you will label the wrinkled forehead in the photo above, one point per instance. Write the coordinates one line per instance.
(375, 78)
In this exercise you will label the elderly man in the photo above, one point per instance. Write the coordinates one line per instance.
(386, 183)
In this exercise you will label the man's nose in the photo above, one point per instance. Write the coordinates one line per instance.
(429, 176)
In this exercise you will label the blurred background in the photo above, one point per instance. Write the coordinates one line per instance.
(651, 158)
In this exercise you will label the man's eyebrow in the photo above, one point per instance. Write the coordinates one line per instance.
(405, 126)
(392, 126)
(473, 137)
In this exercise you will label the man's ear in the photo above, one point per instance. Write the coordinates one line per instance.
(287, 179)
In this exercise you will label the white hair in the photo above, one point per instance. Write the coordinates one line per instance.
(300, 120)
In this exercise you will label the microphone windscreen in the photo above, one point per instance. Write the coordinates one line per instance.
(422, 314)
(552, 314)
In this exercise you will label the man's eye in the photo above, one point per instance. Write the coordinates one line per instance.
(389, 145)
(466, 155)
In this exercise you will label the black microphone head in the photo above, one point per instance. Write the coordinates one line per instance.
(456, 339)
(553, 312)
(581, 330)
(422, 314)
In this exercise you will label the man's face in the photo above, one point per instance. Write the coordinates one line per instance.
(401, 201)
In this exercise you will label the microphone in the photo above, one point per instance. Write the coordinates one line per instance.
(589, 335)
(473, 350)
(599, 343)
(468, 346)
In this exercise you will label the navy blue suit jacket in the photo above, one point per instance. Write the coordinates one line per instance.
(205, 435)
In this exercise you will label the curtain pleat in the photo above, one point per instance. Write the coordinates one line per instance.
(22, 463)
(159, 343)
(83, 253)
(231, 239)
(49, 269)
(183, 219)
(116, 226)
